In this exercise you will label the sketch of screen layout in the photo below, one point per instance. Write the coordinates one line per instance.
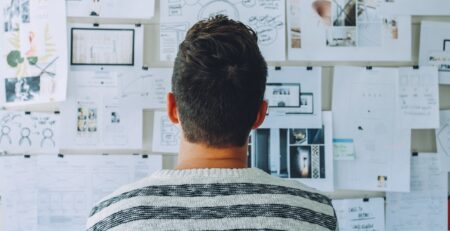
(104, 45)
(287, 99)
(290, 153)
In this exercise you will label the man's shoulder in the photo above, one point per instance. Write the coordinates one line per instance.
(265, 194)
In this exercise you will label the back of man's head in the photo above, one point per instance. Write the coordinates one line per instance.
(219, 82)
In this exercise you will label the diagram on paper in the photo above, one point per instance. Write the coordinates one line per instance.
(146, 88)
(166, 135)
(267, 18)
(22, 132)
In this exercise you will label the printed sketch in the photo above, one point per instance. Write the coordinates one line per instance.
(87, 118)
(170, 134)
(33, 71)
(336, 29)
(91, 46)
(28, 132)
(267, 18)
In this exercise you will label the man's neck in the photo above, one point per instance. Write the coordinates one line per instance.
(197, 156)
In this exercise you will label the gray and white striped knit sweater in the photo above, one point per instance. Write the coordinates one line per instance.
(213, 199)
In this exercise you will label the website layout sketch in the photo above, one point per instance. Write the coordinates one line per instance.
(435, 48)
(102, 46)
(293, 101)
(166, 135)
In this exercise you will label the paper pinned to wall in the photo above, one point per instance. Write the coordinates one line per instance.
(166, 135)
(425, 207)
(416, 7)
(34, 52)
(351, 30)
(57, 192)
(94, 117)
(267, 18)
(303, 154)
(18, 192)
(294, 97)
(360, 214)
(112, 47)
(418, 92)
(435, 47)
(141, 9)
(146, 89)
(28, 132)
(365, 110)
(443, 138)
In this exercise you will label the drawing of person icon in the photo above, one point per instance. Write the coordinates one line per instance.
(47, 138)
(5, 131)
(25, 137)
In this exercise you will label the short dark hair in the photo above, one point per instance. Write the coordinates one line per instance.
(219, 81)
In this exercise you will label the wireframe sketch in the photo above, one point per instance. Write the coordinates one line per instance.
(28, 132)
(91, 46)
(170, 134)
(265, 17)
(32, 46)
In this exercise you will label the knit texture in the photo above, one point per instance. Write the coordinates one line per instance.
(213, 199)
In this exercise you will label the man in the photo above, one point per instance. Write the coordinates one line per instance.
(218, 88)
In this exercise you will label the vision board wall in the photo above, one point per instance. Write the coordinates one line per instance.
(422, 140)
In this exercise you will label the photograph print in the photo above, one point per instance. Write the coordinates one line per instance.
(22, 89)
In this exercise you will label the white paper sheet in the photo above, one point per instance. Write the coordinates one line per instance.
(365, 109)
(267, 18)
(34, 132)
(303, 154)
(425, 207)
(113, 47)
(166, 135)
(435, 47)
(141, 9)
(416, 7)
(146, 89)
(18, 193)
(346, 30)
(443, 138)
(294, 97)
(360, 214)
(60, 192)
(418, 92)
(93, 116)
(34, 52)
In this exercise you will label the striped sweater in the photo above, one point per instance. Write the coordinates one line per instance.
(213, 199)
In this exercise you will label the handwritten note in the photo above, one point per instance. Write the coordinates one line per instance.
(360, 214)
(443, 138)
(424, 208)
(418, 94)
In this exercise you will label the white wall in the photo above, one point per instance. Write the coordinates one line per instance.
(422, 140)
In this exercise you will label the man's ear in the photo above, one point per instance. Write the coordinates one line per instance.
(172, 108)
(261, 115)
